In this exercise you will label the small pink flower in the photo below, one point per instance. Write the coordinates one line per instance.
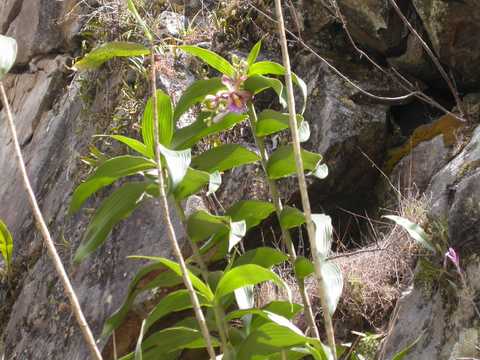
(453, 257)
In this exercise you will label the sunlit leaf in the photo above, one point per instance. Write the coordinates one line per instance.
(140, 21)
(224, 157)
(133, 144)
(195, 94)
(8, 54)
(252, 211)
(414, 230)
(262, 256)
(165, 122)
(192, 183)
(6, 245)
(333, 279)
(323, 234)
(304, 131)
(108, 51)
(116, 207)
(282, 162)
(214, 183)
(252, 56)
(177, 163)
(271, 122)
(110, 171)
(321, 172)
(209, 57)
(303, 267)
(258, 83)
(291, 217)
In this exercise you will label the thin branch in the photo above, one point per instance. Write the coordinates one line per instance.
(42, 227)
(166, 217)
(301, 180)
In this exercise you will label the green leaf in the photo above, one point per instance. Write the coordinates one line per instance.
(148, 277)
(214, 182)
(258, 83)
(6, 245)
(140, 21)
(209, 57)
(303, 267)
(116, 207)
(191, 183)
(196, 93)
(133, 144)
(291, 217)
(271, 122)
(198, 284)
(283, 308)
(252, 211)
(252, 56)
(108, 51)
(323, 234)
(333, 278)
(414, 230)
(176, 301)
(177, 163)
(201, 225)
(172, 339)
(404, 352)
(8, 54)
(165, 122)
(245, 275)
(110, 171)
(282, 162)
(224, 157)
(188, 136)
(271, 68)
(262, 256)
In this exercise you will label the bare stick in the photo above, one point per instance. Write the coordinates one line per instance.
(301, 179)
(42, 227)
(286, 236)
(166, 217)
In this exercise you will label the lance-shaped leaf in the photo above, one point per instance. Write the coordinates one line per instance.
(263, 256)
(323, 234)
(196, 93)
(271, 68)
(108, 51)
(414, 230)
(176, 301)
(282, 162)
(333, 280)
(110, 171)
(165, 121)
(177, 163)
(271, 122)
(258, 83)
(148, 277)
(8, 54)
(188, 136)
(224, 157)
(252, 56)
(245, 275)
(116, 207)
(291, 217)
(209, 57)
(191, 183)
(133, 144)
(252, 211)
(303, 267)
(6, 245)
(198, 284)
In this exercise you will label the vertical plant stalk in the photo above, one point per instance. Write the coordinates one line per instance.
(42, 227)
(217, 308)
(301, 179)
(166, 217)
(287, 239)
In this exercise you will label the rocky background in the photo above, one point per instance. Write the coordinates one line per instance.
(365, 139)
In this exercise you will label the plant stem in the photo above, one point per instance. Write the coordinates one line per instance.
(218, 310)
(166, 216)
(301, 179)
(42, 226)
(287, 239)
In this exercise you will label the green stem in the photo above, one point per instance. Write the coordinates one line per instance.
(170, 229)
(302, 184)
(286, 236)
(217, 308)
